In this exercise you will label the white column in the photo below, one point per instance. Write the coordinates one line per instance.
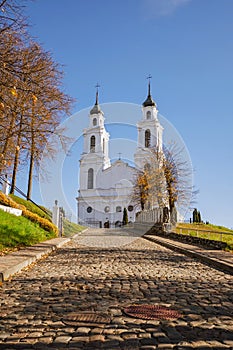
(55, 215)
(5, 186)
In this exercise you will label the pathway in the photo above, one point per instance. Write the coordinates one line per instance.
(74, 298)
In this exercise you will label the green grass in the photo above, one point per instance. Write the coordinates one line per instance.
(31, 207)
(17, 231)
(70, 228)
(190, 229)
(205, 227)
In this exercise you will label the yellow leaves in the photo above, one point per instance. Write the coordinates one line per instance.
(14, 91)
(34, 98)
(2, 105)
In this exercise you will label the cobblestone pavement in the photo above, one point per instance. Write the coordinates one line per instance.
(74, 299)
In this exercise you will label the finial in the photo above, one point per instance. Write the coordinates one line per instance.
(149, 101)
(149, 78)
(120, 155)
(97, 94)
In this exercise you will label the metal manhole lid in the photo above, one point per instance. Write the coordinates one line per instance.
(151, 312)
(85, 317)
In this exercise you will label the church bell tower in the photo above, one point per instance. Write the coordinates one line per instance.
(95, 150)
(150, 131)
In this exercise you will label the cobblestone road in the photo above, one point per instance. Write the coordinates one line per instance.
(44, 306)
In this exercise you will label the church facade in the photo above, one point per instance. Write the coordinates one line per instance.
(105, 188)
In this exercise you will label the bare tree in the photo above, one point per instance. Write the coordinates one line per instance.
(165, 181)
(11, 15)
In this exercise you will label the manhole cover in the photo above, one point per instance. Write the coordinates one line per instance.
(85, 317)
(151, 312)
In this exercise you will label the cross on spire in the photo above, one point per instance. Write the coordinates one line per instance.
(149, 78)
(97, 94)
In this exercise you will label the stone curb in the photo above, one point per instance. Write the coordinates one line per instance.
(193, 251)
(14, 262)
(78, 234)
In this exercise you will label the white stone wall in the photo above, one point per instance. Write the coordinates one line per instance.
(16, 212)
(113, 188)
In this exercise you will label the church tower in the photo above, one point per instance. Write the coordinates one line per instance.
(95, 150)
(150, 131)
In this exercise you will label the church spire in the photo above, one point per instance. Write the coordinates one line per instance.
(97, 95)
(149, 101)
(96, 109)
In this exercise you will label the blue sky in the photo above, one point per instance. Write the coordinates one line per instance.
(187, 47)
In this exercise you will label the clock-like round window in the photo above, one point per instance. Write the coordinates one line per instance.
(89, 209)
(130, 208)
(107, 209)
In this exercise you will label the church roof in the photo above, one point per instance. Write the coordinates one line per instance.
(96, 108)
(149, 101)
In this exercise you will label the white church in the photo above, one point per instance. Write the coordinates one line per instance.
(105, 188)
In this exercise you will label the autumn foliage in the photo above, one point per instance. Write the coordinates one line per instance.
(32, 100)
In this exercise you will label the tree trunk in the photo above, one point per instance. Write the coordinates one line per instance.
(16, 162)
(32, 155)
(30, 174)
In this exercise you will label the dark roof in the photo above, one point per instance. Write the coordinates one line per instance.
(96, 109)
(149, 101)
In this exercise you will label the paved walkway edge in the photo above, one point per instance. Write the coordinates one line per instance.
(14, 262)
(191, 251)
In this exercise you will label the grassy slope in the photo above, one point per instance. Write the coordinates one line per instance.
(205, 227)
(70, 228)
(17, 231)
(30, 206)
(190, 229)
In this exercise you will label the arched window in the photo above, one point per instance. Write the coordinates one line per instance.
(90, 178)
(94, 121)
(92, 144)
(148, 115)
(147, 138)
(103, 145)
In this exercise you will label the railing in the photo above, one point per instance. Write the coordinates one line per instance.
(152, 215)
(200, 233)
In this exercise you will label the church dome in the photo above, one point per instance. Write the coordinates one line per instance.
(96, 109)
(149, 102)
